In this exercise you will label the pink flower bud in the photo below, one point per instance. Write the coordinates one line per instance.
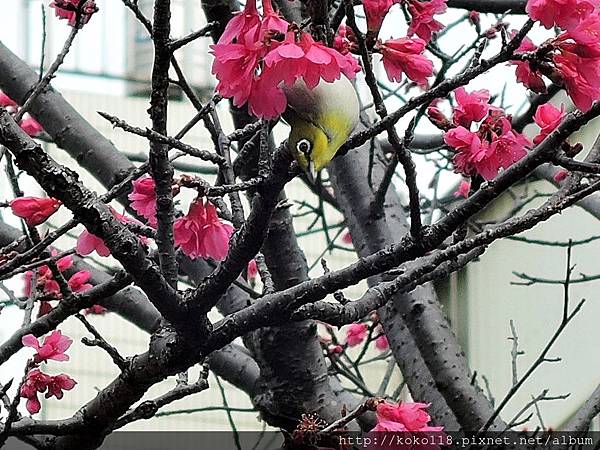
(34, 210)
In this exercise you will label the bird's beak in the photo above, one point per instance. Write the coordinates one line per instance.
(311, 169)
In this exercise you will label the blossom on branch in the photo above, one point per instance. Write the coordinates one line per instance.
(565, 14)
(463, 189)
(54, 347)
(39, 382)
(494, 146)
(34, 210)
(403, 417)
(31, 126)
(143, 198)
(6, 101)
(405, 55)
(423, 23)
(68, 9)
(36, 381)
(79, 281)
(547, 117)
(201, 233)
(87, 242)
(375, 11)
(356, 333)
(470, 107)
(525, 74)
(256, 56)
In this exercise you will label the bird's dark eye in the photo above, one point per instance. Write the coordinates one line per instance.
(304, 146)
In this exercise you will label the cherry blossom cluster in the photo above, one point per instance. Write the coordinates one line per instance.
(28, 124)
(405, 55)
(257, 54)
(356, 334)
(67, 9)
(482, 135)
(572, 58)
(200, 233)
(492, 146)
(422, 15)
(36, 382)
(48, 287)
(405, 417)
(88, 243)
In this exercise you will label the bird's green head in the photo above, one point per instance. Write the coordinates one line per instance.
(321, 120)
(315, 145)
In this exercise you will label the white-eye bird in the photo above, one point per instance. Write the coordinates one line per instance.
(321, 120)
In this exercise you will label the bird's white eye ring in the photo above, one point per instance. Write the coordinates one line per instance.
(304, 146)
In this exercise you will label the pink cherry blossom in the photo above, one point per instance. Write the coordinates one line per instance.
(6, 101)
(566, 14)
(236, 66)
(532, 79)
(96, 309)
(347, 237)
(36, 381)
(422, 22)
(64, 263)
(59, 383)
(468, 146)
(272, 21)
(381, 343)
(463, 189)
(245, 25)
(376, 10)
(470, 107)
(407, 418)
(356, 333)
(201, 233)
(88, 243)
(560, 175)
(345, 40)
(45, 308)
(44, 276)
(405, 55)
(34, 210)
(252, 269)
(335, 349)
(54, 347)
(495, 146)
(582, 83)
(215, 243)
(547, 117)
(586, 32)
(579, 66)
(411, 415)
(503, 152)
(474, 17)
(67, 9)
(267, 99)
(39, 382)
(307, 59)
(79, 281)
(143, 198)
(31, 126)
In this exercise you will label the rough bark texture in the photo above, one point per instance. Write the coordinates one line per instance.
(68, 129)
(429, 375)
(294, 376)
